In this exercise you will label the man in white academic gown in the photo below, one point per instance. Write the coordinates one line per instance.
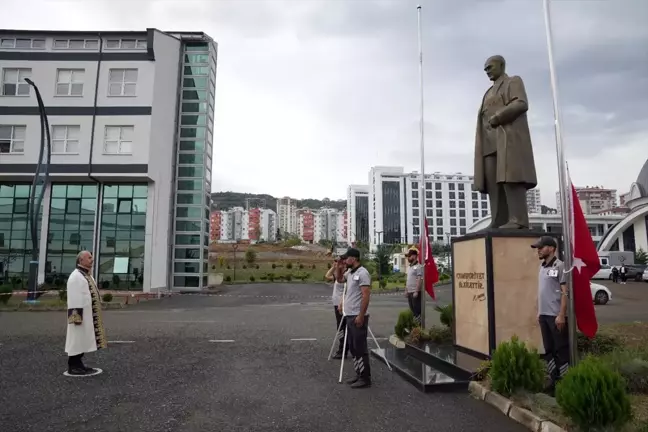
(85, 331)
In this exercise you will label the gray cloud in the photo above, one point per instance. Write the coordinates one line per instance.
(317, 87)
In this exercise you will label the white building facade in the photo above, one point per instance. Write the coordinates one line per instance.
(131, 124)
(395, 205)
(330, 225)
(534, 202)
(287, 215)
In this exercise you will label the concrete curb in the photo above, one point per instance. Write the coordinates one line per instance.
(396, 341)
(519, 414)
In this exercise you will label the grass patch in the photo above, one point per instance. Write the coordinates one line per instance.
(295, 271)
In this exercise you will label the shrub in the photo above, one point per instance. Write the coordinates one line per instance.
(274, 266)
(405, 324)
(214, 267)
(263, 277)
(598, 345)
(289, 266)
(5, 293)
(593, 396)
(415, 336)
(301, 266)
(382, 283)
(257, 267)
(62, 294)
(314, 267)
(271, 277)
(482, 371)
(515, 367)
(439, 335)
(107, 298)
(446, 315)
(228, 267)
(633, 367)
(252, 278)
(244, 267)
(288, 277)
(228, 278)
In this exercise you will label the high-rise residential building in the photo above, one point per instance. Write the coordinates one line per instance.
(239, 224)
(534, 202)
(216, 219)
(287, 215)
(358, 213)
(131, 124)
(306, 225)
(330, 224)
(593, 199)
(395, 205)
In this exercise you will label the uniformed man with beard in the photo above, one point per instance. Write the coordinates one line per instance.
(414, 283)
(355, 305)
(552, 309)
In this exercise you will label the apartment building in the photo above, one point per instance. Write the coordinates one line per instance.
(131, 126)
(395, 213)
(287, 215)
(593, 199)
(358, 213)
(239, 224)
(330, 224)
(534, 202)
(305, 224)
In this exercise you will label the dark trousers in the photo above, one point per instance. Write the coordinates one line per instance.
(556, 345)
(615, 277)
(357, 340)
(339, 319)
(75, 361)
(415, 306)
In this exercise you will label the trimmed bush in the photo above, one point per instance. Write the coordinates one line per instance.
(288, 277)
(439, 334)
(446, 315)
(252, 278)
(228, 278)
(405, 324)
(593, 396)
(382, 283)
(289, 266)
(515, 367)
(598, 345)
(633, 367)
(107, 298)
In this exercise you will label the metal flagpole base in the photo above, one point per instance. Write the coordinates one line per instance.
(336, 338)
(380, 350)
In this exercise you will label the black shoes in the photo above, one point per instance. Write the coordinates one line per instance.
(81, 371)
(359, 382)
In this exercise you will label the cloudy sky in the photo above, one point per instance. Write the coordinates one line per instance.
(312, 93)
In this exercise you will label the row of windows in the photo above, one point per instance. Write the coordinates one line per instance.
(73, 44)
(437, 186)
(117, 139)
(452, 195)
(121, 83)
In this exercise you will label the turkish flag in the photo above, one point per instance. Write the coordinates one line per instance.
(585, 264)
(426, 258)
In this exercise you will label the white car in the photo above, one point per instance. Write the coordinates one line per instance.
(600, 293)
(604, 273)
(645, 275)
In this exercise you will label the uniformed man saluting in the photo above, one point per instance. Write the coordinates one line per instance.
(552, 309)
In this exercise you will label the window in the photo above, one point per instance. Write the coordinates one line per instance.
(451, 186)
(13, 82)
(76, 44)
(475, 213)
(69, 82)
(22, 43)
(125, 44)
(118, 139)
(65, 139)
(122, 82)
(460, 186)
(439, 221)
(415, 203)
(12, 139)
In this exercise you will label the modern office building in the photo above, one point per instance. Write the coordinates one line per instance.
(131, 124)
(395, 213)
(358, 213)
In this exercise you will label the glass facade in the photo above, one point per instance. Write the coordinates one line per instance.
(123, 226)
(15, 239)
(362, 218)
(194, 163)
(73, 209)
(391, 212)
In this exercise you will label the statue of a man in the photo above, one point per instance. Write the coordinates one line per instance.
(504, 164)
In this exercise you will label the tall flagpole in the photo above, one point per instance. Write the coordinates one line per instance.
(565, 187)
(423, 216)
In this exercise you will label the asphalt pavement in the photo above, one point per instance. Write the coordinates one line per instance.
(253, 358)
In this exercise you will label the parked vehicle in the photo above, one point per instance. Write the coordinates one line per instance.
(600, 293)
(645, 275)
(604, 273)
(635, 271)
(616, 258)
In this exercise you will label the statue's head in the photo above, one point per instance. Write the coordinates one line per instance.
(495, 67)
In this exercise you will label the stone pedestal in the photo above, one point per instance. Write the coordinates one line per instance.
(495, 290)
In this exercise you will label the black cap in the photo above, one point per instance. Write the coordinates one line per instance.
(352, 252)
(544, 241)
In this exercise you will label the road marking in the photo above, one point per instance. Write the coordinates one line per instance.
(121, 342)
(303, 339)
(221, 340)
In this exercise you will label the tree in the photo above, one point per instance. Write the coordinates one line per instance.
(641, 257)
(382, 258)
(250, 256)
(278, 235)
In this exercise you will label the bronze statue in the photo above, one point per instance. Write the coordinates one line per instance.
(504, 164)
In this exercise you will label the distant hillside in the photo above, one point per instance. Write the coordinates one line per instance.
(227, 200)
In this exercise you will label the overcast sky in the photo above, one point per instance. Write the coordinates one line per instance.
(312, 93)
